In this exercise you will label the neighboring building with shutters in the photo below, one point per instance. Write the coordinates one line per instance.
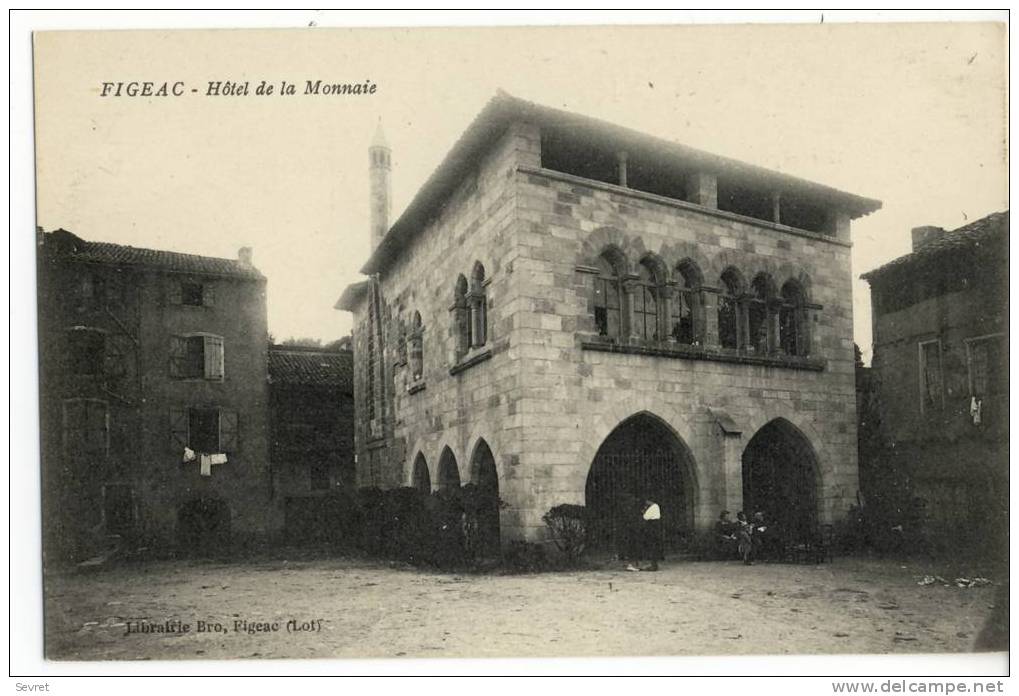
(569, 311)
(145, 358)
(940, 323)
(311, 402)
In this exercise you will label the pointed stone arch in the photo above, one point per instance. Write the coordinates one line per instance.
(420, 478)
(485, 476)
(642, 458)
(784, 477)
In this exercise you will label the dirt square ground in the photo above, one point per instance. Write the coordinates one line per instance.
(356, 608)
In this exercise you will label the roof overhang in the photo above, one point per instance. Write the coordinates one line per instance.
(351, 296)
(504, 109)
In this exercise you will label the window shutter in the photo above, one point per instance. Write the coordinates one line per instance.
(174, 293)
(178, 349)
(213, 357)
(209, 295)
(227, 431)
(178, 429)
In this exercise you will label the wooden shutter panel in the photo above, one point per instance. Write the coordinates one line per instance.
(178, 349)
(227, 431)
(209, 295)
(213, 357)
(178, 429)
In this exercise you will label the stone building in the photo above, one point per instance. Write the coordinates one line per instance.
(569, 311)
(311, 404)
(154, 398)
(940, 321)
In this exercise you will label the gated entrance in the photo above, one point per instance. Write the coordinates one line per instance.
(641, 459)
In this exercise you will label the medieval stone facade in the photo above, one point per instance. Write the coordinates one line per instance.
(572, 312)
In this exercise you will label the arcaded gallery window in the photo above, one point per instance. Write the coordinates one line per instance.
(730, 310)
(416, 352)
(687, 318)
(760, 313)
(461, 317)
(607, 299)
(478, 304)
(646, 302)
(792, 320)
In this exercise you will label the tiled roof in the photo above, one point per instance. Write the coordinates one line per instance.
(982, 232)
(105, 252)
(311, 367)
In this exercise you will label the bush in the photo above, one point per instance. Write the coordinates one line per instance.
(567, 525)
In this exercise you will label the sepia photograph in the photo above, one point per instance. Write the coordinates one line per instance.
(608, 340)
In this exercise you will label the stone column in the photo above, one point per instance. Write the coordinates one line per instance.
(621, 158)
(627, 326)
(776, 207)
(732, 466)
(666, 299)
(703, 190)
(709, 311)
(838, 225)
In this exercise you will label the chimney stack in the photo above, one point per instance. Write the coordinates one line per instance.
(927, 233)
(379, 176)
(244, 256)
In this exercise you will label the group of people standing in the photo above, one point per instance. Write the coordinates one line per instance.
(751, 538)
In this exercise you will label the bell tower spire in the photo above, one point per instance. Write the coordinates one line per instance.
(379, 168)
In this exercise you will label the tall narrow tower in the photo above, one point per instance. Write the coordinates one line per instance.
(379, 170)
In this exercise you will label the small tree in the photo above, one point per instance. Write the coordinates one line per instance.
(567, 525)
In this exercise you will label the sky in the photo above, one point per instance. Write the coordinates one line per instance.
(911, 114)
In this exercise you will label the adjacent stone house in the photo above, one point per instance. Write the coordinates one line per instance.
(569, 311)
(940, 321)
(154, 398)
(311, 401)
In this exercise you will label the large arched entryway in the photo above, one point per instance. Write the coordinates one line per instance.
(641, 459)
(486, 478)
(780, 479)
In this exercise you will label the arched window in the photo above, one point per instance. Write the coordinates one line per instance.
(792, 329)
(416, 350)
(687, 318)
(461, 317)
(730, 315)
(608, 298)
(761, 314)
(402, 342)
(646, 302)
(478, 305)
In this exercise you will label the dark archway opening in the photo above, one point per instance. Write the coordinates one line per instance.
(421, 480)
(641, 459)
(780, 479)
(203, 526)
(486, 478)
(449, 472)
